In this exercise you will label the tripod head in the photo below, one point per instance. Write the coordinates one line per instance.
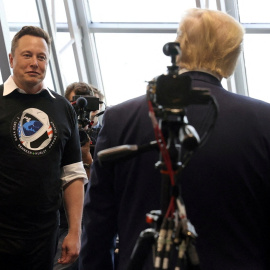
(172, 49)
(169, 96)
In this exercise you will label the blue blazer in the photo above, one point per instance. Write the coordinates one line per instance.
(225, 186)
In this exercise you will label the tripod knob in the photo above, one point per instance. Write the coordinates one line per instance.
(189, 137)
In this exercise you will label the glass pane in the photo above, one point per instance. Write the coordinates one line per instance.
(129, 62)
(139, 10)
(57, 10)
(257, 65)
(254, 12)
(48, 79)
(21, 11)
(67, 60)
(212, 4)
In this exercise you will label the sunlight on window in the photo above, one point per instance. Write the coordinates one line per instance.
(257, 71)
(19, 11)
(66, 58)
(139, 10)
(254, 12)
(130, 61)
(59, 8)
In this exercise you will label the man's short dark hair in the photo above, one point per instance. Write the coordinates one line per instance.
(79, 88)
(32, 31)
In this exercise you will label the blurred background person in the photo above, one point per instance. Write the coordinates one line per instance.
(96, 117)
(225, 186)
(79, 89)
(100, 96)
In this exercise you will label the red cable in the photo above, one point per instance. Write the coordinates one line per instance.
(165, 155)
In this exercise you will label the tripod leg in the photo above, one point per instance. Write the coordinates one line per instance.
(143, 245)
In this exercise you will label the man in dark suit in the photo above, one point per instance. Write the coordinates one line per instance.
(226, 184)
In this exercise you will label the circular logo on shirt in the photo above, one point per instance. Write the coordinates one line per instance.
(33, 132)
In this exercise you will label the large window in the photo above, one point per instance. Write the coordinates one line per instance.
(137, 11)
(256, 46)
(257, 59)
(117, 44)
(128, 61)
(254, 12)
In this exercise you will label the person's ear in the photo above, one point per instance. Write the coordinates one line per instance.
(10, 60)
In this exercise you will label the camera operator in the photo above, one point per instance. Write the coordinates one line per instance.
(88, 102)
(79, 89)
(96, 125)
(226, 184)
(85, 90)
(100, 96)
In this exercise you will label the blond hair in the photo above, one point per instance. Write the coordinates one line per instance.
(210, 40)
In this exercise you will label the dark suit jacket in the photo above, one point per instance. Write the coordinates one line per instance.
(225, 186)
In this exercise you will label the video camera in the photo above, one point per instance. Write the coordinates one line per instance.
(171, 96)
(83, 105)
(87, 103)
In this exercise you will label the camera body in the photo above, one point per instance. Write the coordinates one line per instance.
(83, 105)
(92, 103)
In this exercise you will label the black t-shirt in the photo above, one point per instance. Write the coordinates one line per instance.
(38, 136)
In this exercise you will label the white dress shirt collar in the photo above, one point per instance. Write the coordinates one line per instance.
(10, 86)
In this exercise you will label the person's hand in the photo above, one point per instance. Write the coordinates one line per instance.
(70, 249)
(93, 117)
(86, 155)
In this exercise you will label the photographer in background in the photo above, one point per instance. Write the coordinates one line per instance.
(94, 117)
(80, 89)
(93, 108)
(93, 114)
(226, 184)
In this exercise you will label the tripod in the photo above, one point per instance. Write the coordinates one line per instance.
(169, 95)
(172, 232)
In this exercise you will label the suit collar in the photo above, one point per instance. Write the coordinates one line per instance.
(203, 76)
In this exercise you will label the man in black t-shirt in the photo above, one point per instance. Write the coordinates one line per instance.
(40, 157)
